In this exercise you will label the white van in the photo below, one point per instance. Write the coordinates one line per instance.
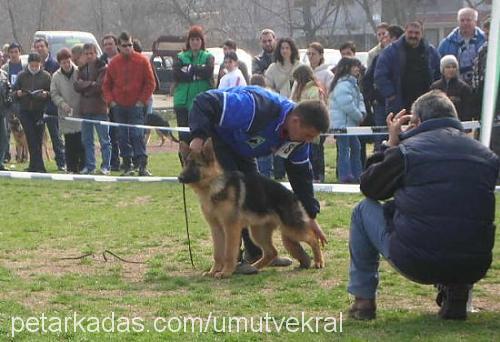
(66, 39)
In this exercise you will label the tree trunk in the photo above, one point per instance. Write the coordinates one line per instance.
(12, 21)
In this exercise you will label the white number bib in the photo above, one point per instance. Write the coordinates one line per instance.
(287, 148)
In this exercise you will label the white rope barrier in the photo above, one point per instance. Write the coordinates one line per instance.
(359, 130)
(318, 187)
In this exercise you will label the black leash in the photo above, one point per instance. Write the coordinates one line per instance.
(187, 224)
(106, 251)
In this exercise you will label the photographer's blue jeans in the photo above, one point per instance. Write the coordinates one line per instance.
(349, 158)
(131, 136)
(88, 141)
(368, 238)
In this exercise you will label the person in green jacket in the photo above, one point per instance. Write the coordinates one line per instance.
(193, 74)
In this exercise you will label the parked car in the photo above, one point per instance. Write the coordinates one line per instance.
(66, 39)
(164, 70)
(218, 54)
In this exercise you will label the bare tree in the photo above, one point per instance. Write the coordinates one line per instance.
(367, 6)
(12, 21)
(307, 17)
(42, 7)
(475, 4)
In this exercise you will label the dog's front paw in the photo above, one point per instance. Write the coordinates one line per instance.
(319, 263)
(222, 275)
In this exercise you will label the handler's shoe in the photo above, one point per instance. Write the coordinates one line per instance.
(281, 262)
(244, 267)
(453, 301)
(277, 262)
(363, 309)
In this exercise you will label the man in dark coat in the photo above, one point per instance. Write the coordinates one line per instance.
(438, 228)
(406, 69)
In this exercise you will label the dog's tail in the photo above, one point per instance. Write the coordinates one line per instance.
(155, 119)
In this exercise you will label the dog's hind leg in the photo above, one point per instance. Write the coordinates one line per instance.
(295, 249)
(262, 235)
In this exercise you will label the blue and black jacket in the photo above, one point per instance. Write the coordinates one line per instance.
(441, 218)
(249, 120)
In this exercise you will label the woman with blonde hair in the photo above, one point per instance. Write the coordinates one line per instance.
(306, 87)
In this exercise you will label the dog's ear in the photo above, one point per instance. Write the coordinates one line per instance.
(208, 151)
(184, 150)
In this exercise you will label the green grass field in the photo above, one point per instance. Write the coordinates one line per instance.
(43, 221)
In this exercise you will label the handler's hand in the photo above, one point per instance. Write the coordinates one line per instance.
(313, 224)
(394, 124)
(196, 145)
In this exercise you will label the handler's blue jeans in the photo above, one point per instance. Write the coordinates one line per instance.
(368, 239)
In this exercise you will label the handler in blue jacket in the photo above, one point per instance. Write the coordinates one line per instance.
(248, 122)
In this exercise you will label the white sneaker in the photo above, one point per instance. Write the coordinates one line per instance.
(105, 172)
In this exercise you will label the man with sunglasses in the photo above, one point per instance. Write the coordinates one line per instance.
(128, 84)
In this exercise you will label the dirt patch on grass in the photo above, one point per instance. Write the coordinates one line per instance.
(139, 200)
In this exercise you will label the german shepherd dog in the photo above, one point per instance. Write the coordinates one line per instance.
(22, 143)
(155, 119)
(231, 201)
(20, 139)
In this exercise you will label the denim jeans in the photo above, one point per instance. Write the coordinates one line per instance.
(57, 141)
(4, 142)
(349, 158)
(133, 137)
(368, 238)
(88, 141)
(149, 105)
(265, 165)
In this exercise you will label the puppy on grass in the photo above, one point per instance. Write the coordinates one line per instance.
(231, 201)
